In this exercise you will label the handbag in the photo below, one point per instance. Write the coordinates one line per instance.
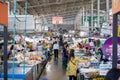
(68, 68)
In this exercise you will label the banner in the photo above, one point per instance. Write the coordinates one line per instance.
(115, 6)
(3, 14)
(94, 19)
(57, 20)
(107, 48)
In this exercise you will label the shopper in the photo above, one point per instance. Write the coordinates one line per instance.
(56, 48)
(64, 56)
(10, 51)
(61, 41)
(30, 47)
(67, 52)
(72, 66)
(113, 74)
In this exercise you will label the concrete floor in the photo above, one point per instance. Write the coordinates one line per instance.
(54, 70)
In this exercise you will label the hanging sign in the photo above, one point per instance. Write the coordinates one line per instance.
(118, 30)
(115, 6)
(107, 48)
(3, 14)
(57, 20)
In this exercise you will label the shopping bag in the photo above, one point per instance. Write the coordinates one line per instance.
(68, 68)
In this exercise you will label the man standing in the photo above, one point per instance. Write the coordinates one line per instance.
(56, 48)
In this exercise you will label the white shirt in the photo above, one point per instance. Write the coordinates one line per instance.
(56, 46)
(40, 48)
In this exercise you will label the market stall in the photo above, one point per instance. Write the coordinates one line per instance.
(90, 65)
(19, 74)
(24, 62)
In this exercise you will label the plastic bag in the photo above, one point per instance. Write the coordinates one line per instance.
(68, 68)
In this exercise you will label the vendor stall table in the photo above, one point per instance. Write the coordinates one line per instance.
(19, 74)
(37, 69)
(32, 72)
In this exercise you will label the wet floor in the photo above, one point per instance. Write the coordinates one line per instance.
(54, 70)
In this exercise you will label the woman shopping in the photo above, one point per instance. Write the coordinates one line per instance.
(71, 70)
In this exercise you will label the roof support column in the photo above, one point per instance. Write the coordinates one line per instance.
(86, 17)
(98, 13)
(92, 15)
(107, 11)
(114, 39)
(83, 11)
(86, 13)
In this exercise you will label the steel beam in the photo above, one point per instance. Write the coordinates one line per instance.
(59, 3)
(64, 14)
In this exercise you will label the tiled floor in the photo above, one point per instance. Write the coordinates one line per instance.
(54, 70)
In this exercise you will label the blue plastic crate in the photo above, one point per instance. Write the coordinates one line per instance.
(43, 79)
(18, 76)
